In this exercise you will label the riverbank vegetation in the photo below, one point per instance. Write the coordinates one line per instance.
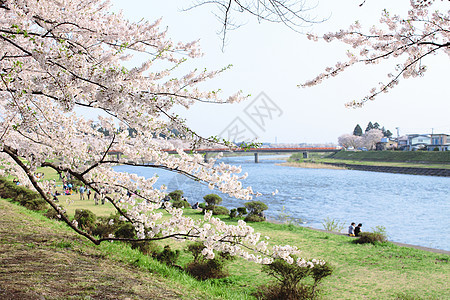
(382, 270)
(407, 159)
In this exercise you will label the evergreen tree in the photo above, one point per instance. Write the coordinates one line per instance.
(376, 125)
(357, 131)
(369, 126)
(388, 133)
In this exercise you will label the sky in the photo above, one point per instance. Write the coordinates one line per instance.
(269, 61)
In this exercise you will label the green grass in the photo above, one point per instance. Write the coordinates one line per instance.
(435, 157)
(407, 159)
(383, 271)
(360, 271)
(384, 164)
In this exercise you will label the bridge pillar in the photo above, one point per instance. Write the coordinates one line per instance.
(206, 157)
(256, 157)
(305, 154)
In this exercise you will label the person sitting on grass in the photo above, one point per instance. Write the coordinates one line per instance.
(358, 229)
(351, 229)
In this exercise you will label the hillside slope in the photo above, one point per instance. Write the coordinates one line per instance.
(43, 260)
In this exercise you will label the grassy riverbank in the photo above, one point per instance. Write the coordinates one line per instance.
(406, 159)
(384, 271)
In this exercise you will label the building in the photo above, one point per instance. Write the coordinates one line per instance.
(440, 141)
(418, 141)
(386, 144)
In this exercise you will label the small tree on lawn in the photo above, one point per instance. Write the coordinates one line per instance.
(255, 211)
(212, 200)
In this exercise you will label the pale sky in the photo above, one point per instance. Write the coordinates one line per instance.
(273, 59)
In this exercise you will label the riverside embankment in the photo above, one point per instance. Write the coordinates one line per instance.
(399, 162)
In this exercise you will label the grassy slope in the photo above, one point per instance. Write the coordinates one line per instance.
(42, 258)
(361, 271)
(396, 156)
(412, 159)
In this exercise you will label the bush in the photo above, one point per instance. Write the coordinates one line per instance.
(24, 196)
(86, 219)
(256, 207)
(212, 199)
(289, 277)
(202, 268)
(51, 213)
(168, 256)
(107, 225)
(202, 205)
(181, 204)
(125, 231)
(241, 211)
(254, 218)
(145, 247)
(220, 210)
(370, 238)
(333, 225)
(176, 195)
(233, 213)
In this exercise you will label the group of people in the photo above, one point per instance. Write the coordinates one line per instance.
(85, 193)
(354, 230)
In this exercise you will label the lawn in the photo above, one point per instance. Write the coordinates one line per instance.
(383, 271)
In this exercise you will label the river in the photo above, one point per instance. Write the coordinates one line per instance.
(414, 209)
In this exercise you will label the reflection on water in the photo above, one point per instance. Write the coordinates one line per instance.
(414, 209)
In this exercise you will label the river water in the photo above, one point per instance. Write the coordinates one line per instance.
(414, 209)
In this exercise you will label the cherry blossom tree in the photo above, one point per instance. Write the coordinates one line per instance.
(59, 56)
(405, 41)
(350, 141)
(371, 138)
(367, 140)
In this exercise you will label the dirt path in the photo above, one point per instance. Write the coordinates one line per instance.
(38, 262)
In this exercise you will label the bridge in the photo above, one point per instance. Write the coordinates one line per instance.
(256, 151)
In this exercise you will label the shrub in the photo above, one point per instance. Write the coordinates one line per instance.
(333, 225)
(212, 199)
(220, 210)
(51, 213)
(125, 231)
(176, 195)
(289, 278)
(287, 218)
(241, 211)
(233, 213)
(256, 207)
(107, 225)
(24, 196)
(86, 219)
(145, 247)
(370, 238)
(254, 218)
(202, 205)
(202, 268)
(181, 204)
(168, 256)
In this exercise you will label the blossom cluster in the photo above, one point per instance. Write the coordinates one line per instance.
(409, 39)
(58, 57)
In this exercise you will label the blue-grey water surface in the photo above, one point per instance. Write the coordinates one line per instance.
(414, 209)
